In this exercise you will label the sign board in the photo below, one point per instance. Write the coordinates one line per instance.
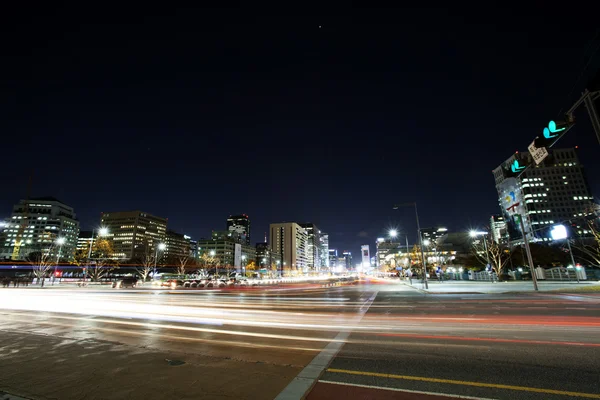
(366, 258)
(537, 153)
(511, 198)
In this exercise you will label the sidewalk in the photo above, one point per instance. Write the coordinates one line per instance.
(481, 287)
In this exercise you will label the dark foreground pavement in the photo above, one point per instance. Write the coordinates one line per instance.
(380, 341)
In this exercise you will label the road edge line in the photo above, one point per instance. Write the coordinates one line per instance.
(456, 396)
(310, 374)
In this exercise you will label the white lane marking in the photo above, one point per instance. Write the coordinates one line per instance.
(305, 380)
(455, 396)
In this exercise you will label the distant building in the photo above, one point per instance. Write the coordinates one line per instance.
(35, 225)
(134, 234)
(312, 245)
(432, 235)
(267, 259)
(240, 224)
(227, 253)
(347, 260)
(291, 241)
(333, 258)
(555, 191)
(177, 245)
(498, 228)
(84, 240)
(323, 251)
(388, 250)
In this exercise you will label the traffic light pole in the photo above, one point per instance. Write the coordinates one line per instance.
(588, 99)
(529, 258)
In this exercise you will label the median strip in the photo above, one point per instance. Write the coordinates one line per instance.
(466, 383)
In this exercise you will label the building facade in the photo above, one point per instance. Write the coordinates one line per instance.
(226, 253)
(240, 224)
(291, 241)
(36, 225)
(267, 258)
(134, 234)
(177, 245)
(313, 245)
(498, 228)
(84, 241)
(324, 251)
(333, 259)
(555, 191)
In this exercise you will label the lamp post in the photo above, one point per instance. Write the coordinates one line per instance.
(397, 206)
(212, 255)
(474, 234)
(60, 241)
(161, 247)
(559, 232)
(244, 265)
(102, 231)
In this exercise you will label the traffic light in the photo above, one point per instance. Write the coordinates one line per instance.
(516, 166)
(553, 132)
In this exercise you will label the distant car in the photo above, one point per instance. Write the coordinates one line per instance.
(124, 283)
(173, 283)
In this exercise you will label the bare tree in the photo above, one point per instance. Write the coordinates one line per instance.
(589, 250)
(485, 248)
(183, 260)
(42, 262)
(147, 264)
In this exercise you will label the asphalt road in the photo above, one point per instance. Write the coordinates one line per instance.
(373, 340)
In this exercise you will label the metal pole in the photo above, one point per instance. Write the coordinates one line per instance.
(155, 257)
(421, 245)
(56, 265)
(89, 253)
(572, 260)
(589, 104)
(529, 258)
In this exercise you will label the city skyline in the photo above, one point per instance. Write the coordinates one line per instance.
(333, 131)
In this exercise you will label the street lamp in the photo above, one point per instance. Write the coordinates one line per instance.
(244, 264)
(102, 231)
(212, 254)
(60, 241)
(393, 233)
(474, 234)
(161, 247)
(559, 232)
(397, 206)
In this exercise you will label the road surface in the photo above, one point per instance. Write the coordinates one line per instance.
(376, 340)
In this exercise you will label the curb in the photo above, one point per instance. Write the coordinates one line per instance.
(8, 396)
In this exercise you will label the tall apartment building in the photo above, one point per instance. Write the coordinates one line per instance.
(35, 225)
(333, 258)
(291, 241)
(555, 191)
(312, 245)
(134, 233)
(240, 224)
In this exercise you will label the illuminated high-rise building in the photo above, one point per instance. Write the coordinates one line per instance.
(291, 241)
(134, 234)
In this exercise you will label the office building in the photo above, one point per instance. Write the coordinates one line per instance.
(35, 226)
(333, 259)
(555, 191)
(312, 246)
(498, 229)
(324, 250)
(84, 241)
(177, 245)
(267, 259)
(240, 224)
(431, 236)
(227, 253)
(134, 234)
(387, 250)
(291, 241)
(237, 237)
(347, 256)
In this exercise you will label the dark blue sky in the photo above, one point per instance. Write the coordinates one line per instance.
(196, 114)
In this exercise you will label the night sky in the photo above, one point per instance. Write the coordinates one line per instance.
(327, 116)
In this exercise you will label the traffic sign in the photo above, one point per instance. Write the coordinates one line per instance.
(538, 153)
